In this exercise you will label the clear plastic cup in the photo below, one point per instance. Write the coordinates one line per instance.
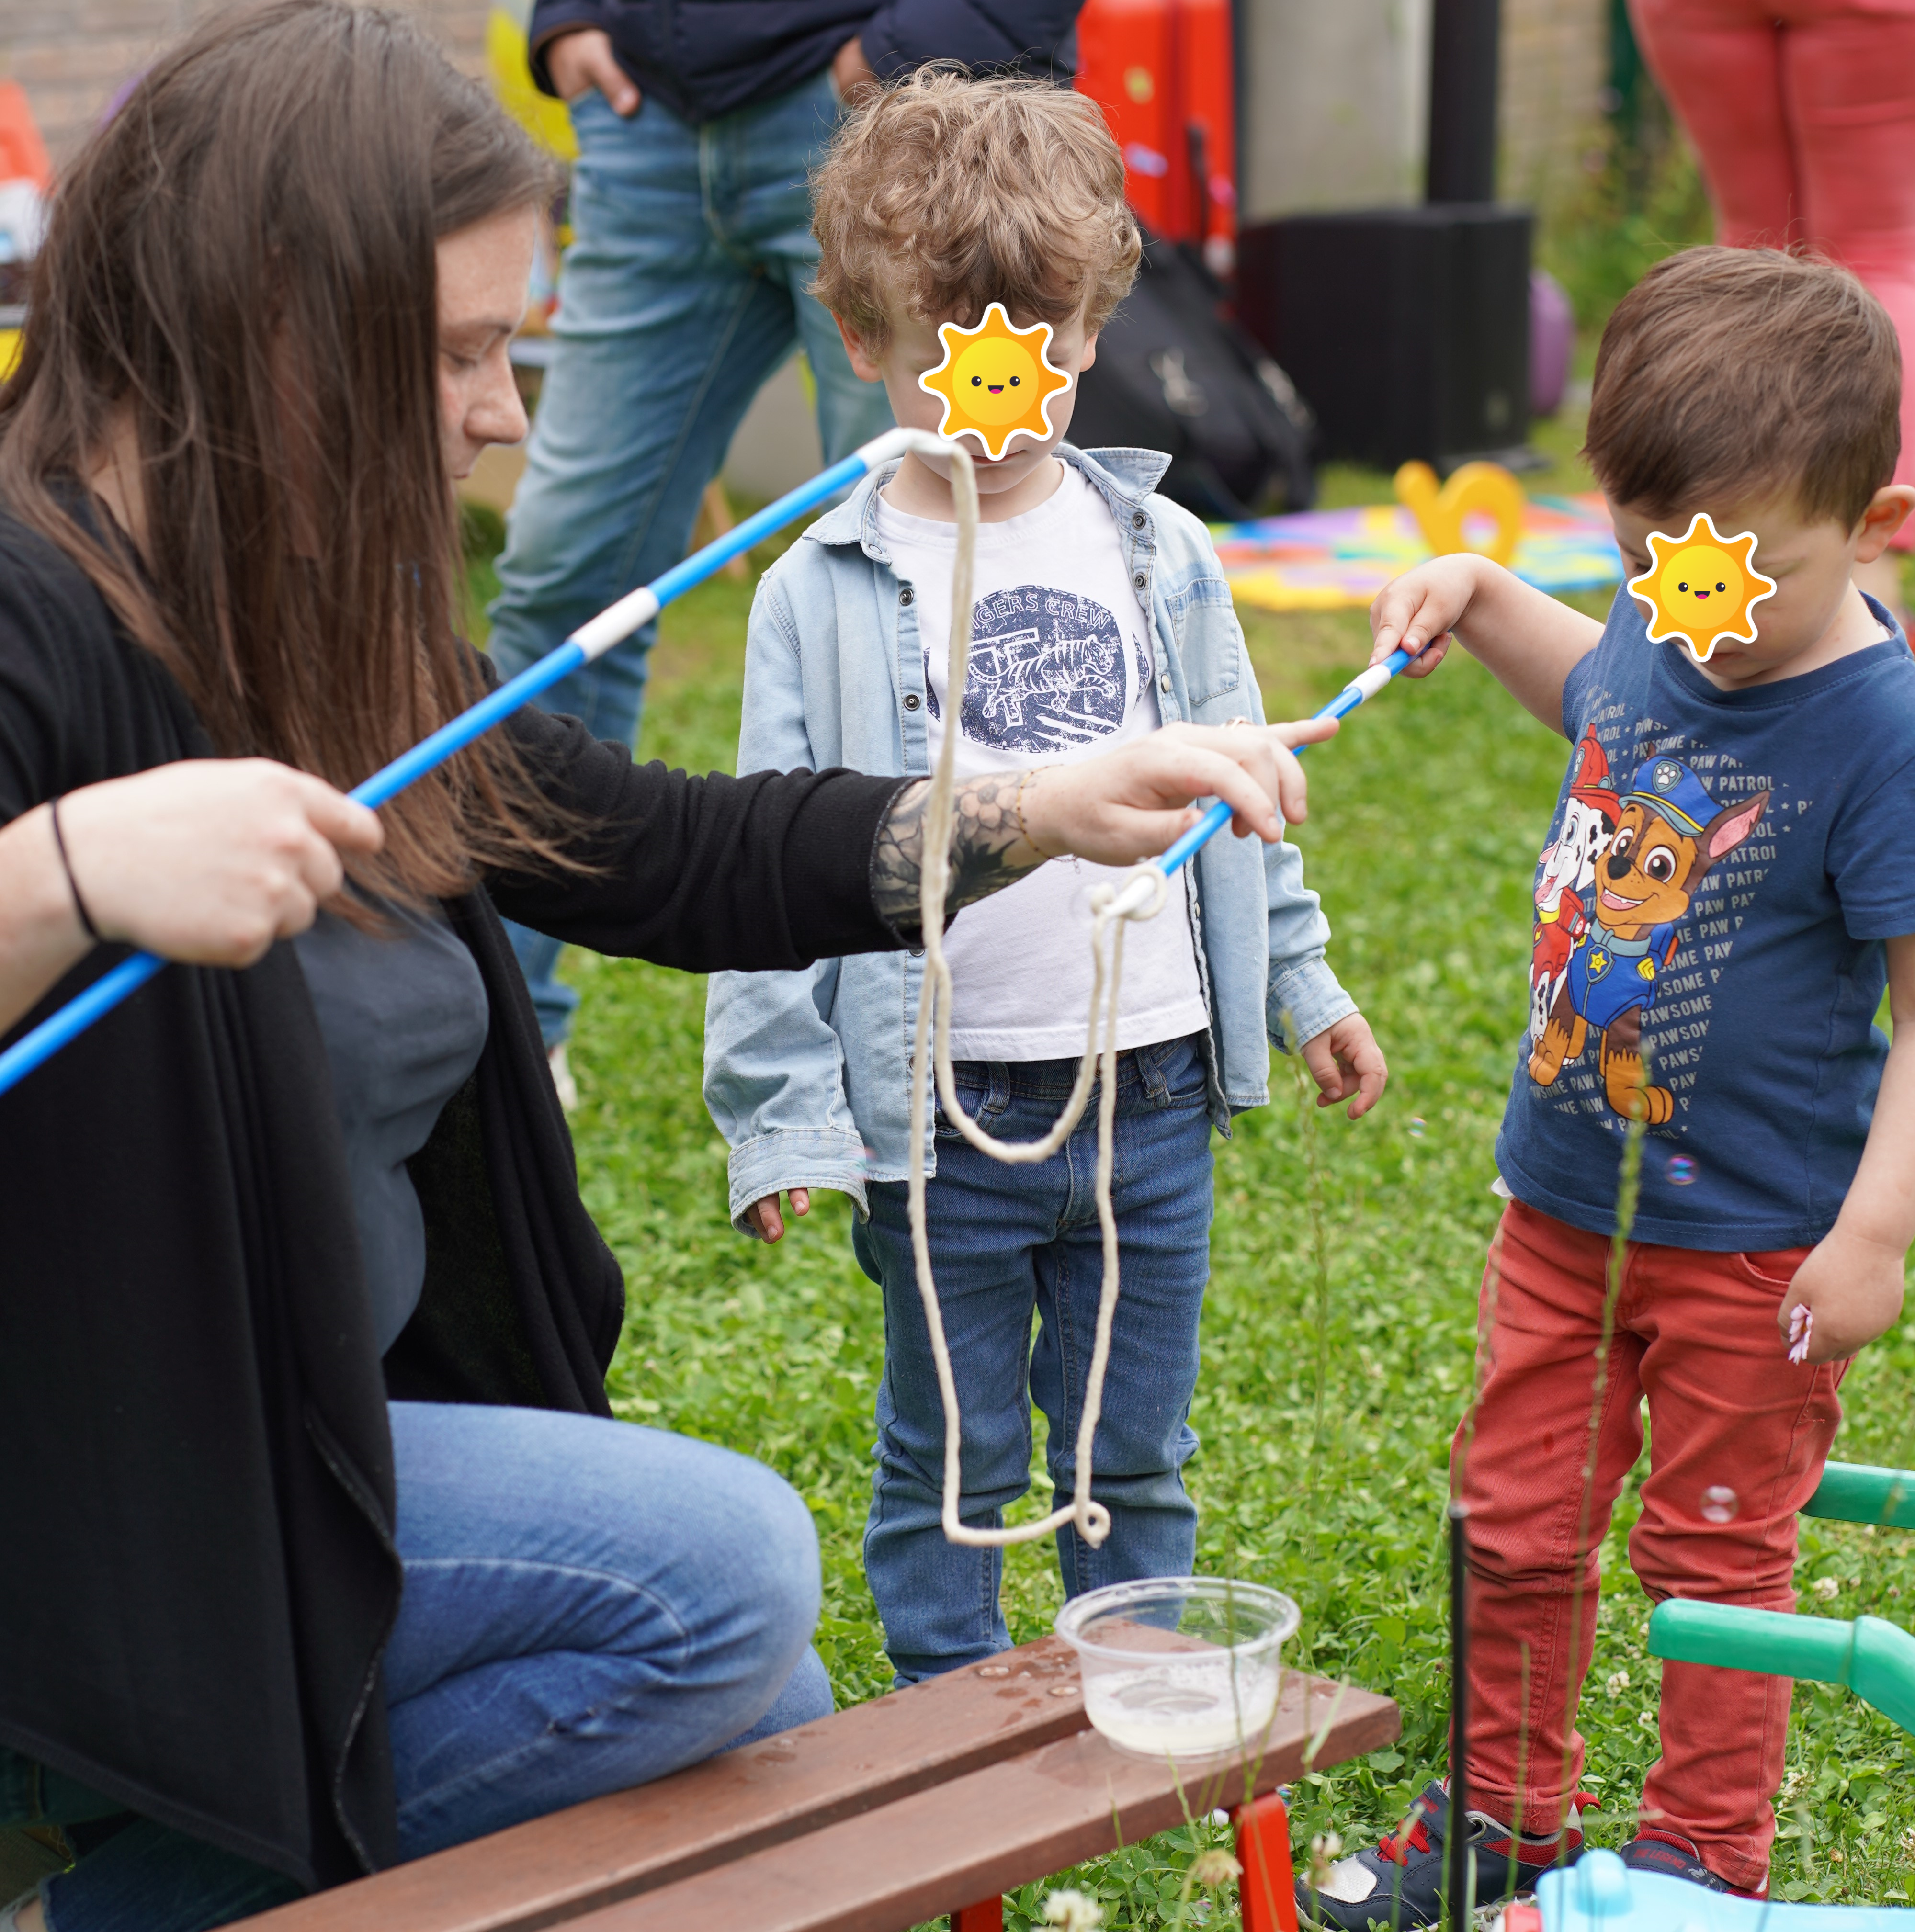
(1184, 1667)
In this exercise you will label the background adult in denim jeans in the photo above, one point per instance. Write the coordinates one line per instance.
(684, 290)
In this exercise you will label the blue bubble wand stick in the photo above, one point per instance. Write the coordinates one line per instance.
(1365, 685)
(591, 640)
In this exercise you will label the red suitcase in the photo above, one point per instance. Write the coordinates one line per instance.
(1163, 72)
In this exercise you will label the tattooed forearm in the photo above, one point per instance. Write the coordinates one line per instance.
(988, 850)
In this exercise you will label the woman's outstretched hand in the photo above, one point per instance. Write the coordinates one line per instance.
(1132, 804)
(1119, 809)
(208, 861)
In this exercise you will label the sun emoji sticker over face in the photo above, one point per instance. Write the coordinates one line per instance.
(1701, 587)
(995, 382)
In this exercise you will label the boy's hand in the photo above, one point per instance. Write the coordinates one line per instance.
(765, 1216)
(1414, 612)
(1344, 1060)
(1526, 640)
(1852, 1287)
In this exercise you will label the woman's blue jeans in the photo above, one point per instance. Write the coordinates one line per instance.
(1006, 1243)
(683, 292)
(588, 1605)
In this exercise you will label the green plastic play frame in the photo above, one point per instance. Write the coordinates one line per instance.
(1873, 1658)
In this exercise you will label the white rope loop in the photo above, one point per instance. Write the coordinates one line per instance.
(1110, 908)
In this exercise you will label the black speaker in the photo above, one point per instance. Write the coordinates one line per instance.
(1406, 329)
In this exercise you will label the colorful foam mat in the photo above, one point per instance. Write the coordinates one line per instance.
(1339, 559)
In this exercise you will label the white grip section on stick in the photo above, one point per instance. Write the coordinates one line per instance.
(1141, 896)
(616, 622)
(1368, 683)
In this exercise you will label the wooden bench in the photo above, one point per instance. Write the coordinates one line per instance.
(896, 1811)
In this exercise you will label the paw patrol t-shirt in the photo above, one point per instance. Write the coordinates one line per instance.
(1710, 908)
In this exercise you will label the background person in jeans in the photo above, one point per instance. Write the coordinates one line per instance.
(684, 291)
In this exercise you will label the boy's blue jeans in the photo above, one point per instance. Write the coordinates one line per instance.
(588, 1605)
(1007, 1242)
(682, 293)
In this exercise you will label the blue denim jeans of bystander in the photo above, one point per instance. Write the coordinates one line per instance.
(683, 292)
(588, 1605)
(1006, 1243)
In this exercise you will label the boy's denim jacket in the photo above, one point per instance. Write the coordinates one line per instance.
(808, 1074)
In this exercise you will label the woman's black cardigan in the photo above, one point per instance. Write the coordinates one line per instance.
(199, 1575)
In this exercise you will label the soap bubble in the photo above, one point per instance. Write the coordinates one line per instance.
(1681, 1170)
(1719, 1503)
(1418, 1127)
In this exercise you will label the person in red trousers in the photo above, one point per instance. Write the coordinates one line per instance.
(1738, 895)
(1802, 113)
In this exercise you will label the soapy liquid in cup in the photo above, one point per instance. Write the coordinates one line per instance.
(1184, 1709)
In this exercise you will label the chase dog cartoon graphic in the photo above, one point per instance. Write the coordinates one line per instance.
(1668, 834)
(1564, 874)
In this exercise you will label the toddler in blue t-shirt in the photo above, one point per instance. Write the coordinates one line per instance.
(1726, 891)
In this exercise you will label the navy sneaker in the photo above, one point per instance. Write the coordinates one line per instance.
(1671, 1856)
(1400, 1882)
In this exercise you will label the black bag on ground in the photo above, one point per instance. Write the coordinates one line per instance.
(1173, 374)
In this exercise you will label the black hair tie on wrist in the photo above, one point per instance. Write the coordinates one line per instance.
(72, 884)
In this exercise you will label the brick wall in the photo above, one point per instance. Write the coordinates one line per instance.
(1336, 90)
(72, 55)
(70, 58)
(1555, 67)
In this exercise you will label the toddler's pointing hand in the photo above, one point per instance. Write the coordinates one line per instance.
(1414, 612)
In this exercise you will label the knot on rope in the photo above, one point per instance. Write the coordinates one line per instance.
(1141, 896)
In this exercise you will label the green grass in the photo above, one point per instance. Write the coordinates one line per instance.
(1636, 207)
(1327, 1397)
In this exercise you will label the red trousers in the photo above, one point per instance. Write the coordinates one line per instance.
(1738, 1436)
(1802, 112)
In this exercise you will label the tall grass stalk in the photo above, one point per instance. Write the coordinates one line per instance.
(1486, 1327)
(1627, 1193)
(1320, 1242)
(1519, 1824)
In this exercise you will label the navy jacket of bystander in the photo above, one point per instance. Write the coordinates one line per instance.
(704, 59)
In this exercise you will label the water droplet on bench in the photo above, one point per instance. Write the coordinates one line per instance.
(994, 1670)
(1681, 1170)
(1719, 1503)
(1418, 1127)
(1063, 1690)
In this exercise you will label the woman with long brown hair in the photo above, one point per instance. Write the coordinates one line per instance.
(334, 1556)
